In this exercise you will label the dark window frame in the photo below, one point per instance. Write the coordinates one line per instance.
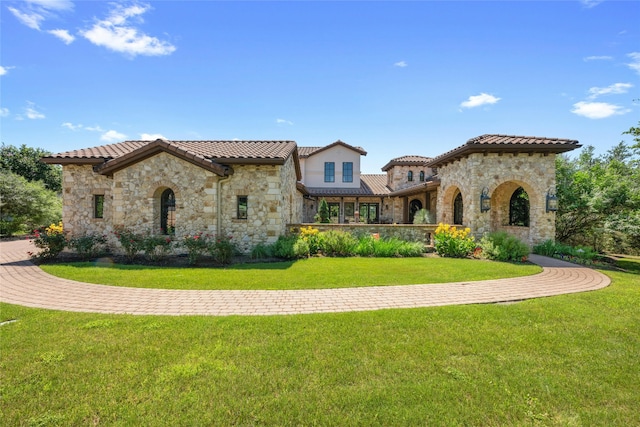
(329, 172)
(410, 176)
(98, 206)
(347, 171)
(242, 207)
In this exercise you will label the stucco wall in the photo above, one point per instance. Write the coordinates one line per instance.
(313, 167)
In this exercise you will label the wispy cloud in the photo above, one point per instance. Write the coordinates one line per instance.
(479, 100)
(635, 61)
(284, 122)
(33, 13)
(4, 112)
(151, 136)
(112, 136)
(116, 33)
(401, 64)
(616, 88)
(590, 3)
(598, 110)
(30, 112)
(598, 58)
(63, 35)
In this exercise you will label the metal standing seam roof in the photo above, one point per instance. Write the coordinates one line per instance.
(490, 143)
(372, 185)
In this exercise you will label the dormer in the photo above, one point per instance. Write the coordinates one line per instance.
(407, 171)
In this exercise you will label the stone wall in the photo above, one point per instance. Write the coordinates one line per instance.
(501, 174)
(397, 176)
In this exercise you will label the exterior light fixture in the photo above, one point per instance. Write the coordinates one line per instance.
(552, 199)
(485, 200)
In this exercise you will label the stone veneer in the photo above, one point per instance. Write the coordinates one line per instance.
(132, 199)
(502, 175)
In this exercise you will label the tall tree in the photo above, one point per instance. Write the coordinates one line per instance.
(25, 161)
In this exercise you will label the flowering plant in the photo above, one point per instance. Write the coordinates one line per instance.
(131, 242)
(196, 246)
(449, 241)
(89, 246)
(51, 241)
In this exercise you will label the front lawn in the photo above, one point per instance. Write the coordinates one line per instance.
(568, 360)
(313, 273)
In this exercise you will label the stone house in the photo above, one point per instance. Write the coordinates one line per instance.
(253, 190)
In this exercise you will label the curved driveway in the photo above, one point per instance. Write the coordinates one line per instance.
(23, 283)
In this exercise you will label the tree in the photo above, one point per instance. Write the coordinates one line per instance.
(25, 161)
(323, 212)
(26, 205)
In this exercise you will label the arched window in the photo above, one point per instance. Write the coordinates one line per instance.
(421, 176)
(457, 209)
(168, 212)
(410, 176)
(519, 208)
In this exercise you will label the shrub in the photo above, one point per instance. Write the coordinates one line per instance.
(301, 249)
(312, 237)
(423, 216)
(222, 249)
(546, 248)
(501, 246)
(338, 243)
(451, 242)
(261, 251)
(131, 242)
(156, 247)
(89, 246)
(196, 246)
(323, 212)
(51, 241)
(283, 247)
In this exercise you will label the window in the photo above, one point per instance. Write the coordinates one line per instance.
(329, 172)
(98, 206)
(458, 209)
(242, 207)
(347, 171)
(369, 212)
(421, 176)
(334, 212)
(168, 212)
(519, 208)
(349, 209)
(410, 176)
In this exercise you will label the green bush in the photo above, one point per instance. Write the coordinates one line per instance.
(156, 247)
(222, 249)
(501, 246)
(89, 246)
(546, 248)
(283, 247)
(261, 251)
(338, 243)
(370, 246)
(196, 246)
(131, 242)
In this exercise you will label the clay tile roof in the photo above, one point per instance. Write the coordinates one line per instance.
(308, 151)
(506, 144)
(209, 154)
(370, 185)
(406, 161)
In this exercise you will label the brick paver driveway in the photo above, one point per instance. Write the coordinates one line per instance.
(23, 283)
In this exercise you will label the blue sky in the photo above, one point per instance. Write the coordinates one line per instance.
(396, 78)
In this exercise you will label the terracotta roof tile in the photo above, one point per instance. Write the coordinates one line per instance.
(308, 151)
(506, 144)
(411, 160)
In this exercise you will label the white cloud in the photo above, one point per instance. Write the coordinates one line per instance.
(4, 70)
(113, 136)
(598, 58)
(479, 100)
(597, 110)
(151, 136)
(635, 61)
(4, 112)
(31, 19)
(117, 34)
(590, 3)
(94, 128)
(31, 112)
(613, 89)
(71, 126)
(63, 35)
(401, 64)
(284, 122)
(33, 13)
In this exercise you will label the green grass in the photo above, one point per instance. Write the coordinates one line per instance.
(313, 273)
(569, 360)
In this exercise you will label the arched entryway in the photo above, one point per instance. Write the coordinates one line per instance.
(519, 208)
(414, 206)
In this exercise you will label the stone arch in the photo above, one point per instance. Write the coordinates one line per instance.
(448, 200)
(158, 200)
(501, 199)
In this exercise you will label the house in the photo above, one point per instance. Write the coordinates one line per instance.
(253, 190)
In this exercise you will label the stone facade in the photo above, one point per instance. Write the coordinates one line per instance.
(501, 174)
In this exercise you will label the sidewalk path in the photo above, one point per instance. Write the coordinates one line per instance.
(23, 283)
